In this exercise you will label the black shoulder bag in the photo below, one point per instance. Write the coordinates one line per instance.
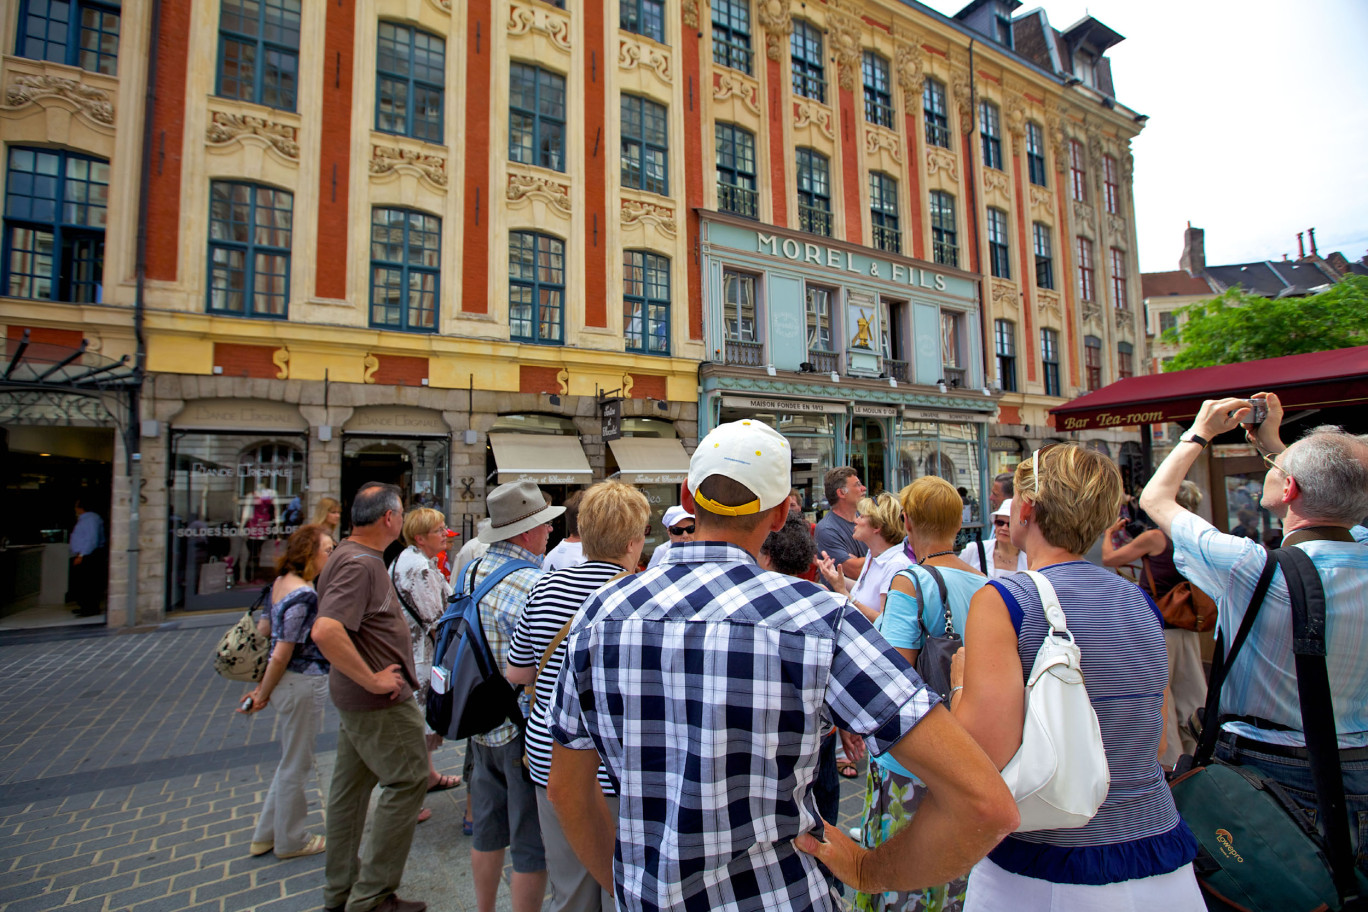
(933, 661)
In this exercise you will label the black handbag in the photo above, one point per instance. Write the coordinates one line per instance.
(933, 660)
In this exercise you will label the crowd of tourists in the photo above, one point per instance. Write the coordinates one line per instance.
(683, 722)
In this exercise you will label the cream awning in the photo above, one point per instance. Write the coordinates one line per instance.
(650, 460)
(543, 458)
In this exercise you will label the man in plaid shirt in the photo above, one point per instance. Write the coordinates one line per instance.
(705, 685)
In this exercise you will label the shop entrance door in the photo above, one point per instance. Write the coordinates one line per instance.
(867, 453)
(385, 463)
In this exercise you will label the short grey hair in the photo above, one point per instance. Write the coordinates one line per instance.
(1189, 496)
(372, 500)
(1006, 482)
(1331, 468)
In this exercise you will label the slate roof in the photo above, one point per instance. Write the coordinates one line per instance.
(1163, 284)
(1270, 279)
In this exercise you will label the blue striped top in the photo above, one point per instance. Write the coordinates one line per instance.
(1137, 832)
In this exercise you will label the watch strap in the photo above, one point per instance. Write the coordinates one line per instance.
(1196, 438)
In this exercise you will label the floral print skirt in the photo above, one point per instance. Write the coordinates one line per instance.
(890, 801)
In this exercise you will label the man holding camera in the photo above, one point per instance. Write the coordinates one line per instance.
(1318, 488)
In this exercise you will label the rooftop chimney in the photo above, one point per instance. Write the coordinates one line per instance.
(1301, 245)
(1193, 260)
(1311, 233)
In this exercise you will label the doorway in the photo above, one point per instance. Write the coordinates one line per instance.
(867, 453)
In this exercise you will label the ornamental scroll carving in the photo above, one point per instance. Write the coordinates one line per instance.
(964, 95)
(524, 19)
(994, 180)
(777, 20)
(1083, 215)
(1005, 296)
(1059, 141)
(1049, 303)
(910, 65)
(1092, 312)
(369, 365)
(938, 159)
(633, 54)
(91, 103)
(844, 34)
(877, 138)
(730, 85)
(1015, 117)
(1125, 320)
(639, 212)
(691, 13)
(810, 113)
(391, 159)
(281, 359)
(1041, 198)
(523, 188)
(224, 128)
(1116, 227)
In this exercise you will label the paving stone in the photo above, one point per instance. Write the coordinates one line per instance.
(105, 887)
(223, 888)
(52, 900)
(114, 853)
(236, 825)
(199, 847)
(172, 903)
(197, 877)
(62, 866)
(141, 893)
(86, 874)
(167, 869)
(252, 898)
(297, 903)
(21, 890)
(179, 838)
(33, 859)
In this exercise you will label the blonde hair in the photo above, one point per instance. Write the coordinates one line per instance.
(1189, 496)
(420, 522)
(933, 507)
(325, 506)
(885, 515)
(612, 515)
(1076, 493)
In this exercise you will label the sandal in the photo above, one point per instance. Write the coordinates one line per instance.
(425, 815)
(312, 846)
(444, 783)
(848, 770)
(468, 827)
(257, 849)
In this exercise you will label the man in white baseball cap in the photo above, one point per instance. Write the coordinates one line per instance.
(679, 527)
(705, 685)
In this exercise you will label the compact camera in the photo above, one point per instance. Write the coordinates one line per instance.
(1259, 411)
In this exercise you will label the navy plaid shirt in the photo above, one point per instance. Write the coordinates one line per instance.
(706, 684)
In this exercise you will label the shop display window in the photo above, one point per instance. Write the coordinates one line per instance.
(952, 450)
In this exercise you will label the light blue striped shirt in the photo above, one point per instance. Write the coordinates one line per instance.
(1263, 681)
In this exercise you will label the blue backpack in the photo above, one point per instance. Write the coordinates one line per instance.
(469, 695)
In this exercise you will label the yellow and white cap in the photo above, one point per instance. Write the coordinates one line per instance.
(749, 452)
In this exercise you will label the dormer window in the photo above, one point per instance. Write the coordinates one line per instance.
(1004, 31)
(1085, 68)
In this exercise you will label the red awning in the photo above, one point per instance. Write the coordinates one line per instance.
(1317, 380)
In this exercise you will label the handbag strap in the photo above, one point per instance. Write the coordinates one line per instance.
(1049, 602)
(559, 638)
(944, 597)
(1149, 577)
(408, 606)
(983, 555)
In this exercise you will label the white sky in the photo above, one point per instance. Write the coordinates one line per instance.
(1258, 127)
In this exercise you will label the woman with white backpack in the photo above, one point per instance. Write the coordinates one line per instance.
(1133, 850)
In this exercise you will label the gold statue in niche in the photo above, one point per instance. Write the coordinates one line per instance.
(862, 338)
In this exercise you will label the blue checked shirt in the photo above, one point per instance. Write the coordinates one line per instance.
(1263, 681)
(706, 684)
(499, 613)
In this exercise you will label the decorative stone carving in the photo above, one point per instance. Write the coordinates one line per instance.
(877, 138)
(1125, 320)
(1095, 150)
(523, 188)
(691, 13)
(1005, 295)
(731, 84)
(777, 20)
(91, 103)
(626, 385)
(640, 212)
(810, 113)
(843, 32)
(1015, 117)
(644, 54)
(538, 18)
(1059, 140)
(1092, 312)
(563, 381)
(938, 159)
(443, 5)
(387, 159)
(994, 180)
(1041, 198)
(370, 365)
(963, 94)
(910, 66)
(224, 128)
(1083, 215)
(1049, 303)
(1127, 166)
(281, 359)
(1116, 227)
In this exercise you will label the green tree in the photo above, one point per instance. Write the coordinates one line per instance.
(1237, 326)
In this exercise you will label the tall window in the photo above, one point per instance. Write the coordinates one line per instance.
(736, 170)
(536, 117)
(944, 239)
(999, 253)
(54, 225)
(644, 17)
(1078, 171)
(406, 260)
(1035, 153)
(1049, 360)
(410, 73)
(259, 51)
(731, 34)
(1085, 269)
(82, 33)
(1167, 320)
(738, 306)
(814, 192)
(645, 145)
(1125, 364)
(990, 134)
(1092, 361)
(1111, 187)
(1004, 31)
(933, 112)
(878, 92)
(1044, 257)
(536, 287)
(1004, 335)
(952, 347)
(883, 212)
(646, 302)
(809, 68)
(1118, 278)
(249, 249)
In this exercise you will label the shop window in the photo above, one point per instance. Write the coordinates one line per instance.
(259, 52)
(814, 192)
(999, 252)
(1125, 360)
(406, 259)
(953, 356)
(731, 34)
(646, 302)
(1035, 154)
(739, 319)
(809, 68)
(1004, 336)
(1111, 187)
(536, 287)
(82, 34)
(883, 212)
(951, 450)
(643, 17)
(410, 73)
(1092, 362)
(54, 225)
(1049, 359)
(1085, 269)
(893, 338)
(934, 113)
(250, 228)
(1118, 279)
(645, 145)
(821, 337)
(736, 185)
(536, 117)
(878, 90)
(812, 440)
(944, 238)
(990, 134)
(1078, 171)
(1044, 256)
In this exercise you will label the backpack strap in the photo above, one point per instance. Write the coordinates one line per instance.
(983, 555)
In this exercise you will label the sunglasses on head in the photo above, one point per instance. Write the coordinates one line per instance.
(1036, 464)
(681, 530)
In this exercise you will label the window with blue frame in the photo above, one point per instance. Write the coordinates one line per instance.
(410, 71)
(250, 226)
(536, 117)
(54, 225)
(259, 52)
(79, 33)
(406, 260)
(645, 145)
(814, 192)
(990, 132)
(644, 17)
(736, 187)
(878, 90)
(536, 288)
(731, 34)
(809, 67)
(646, 302)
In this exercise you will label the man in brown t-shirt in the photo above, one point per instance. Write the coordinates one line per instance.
(361, 630)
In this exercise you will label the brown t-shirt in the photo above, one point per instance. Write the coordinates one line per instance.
(355, 590)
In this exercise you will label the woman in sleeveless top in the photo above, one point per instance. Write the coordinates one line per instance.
(1136, 851)
(1187, 678)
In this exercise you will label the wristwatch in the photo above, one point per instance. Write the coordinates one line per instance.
(1194, 437)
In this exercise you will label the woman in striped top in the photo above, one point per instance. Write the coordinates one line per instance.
(1136, 850)
(613, 520)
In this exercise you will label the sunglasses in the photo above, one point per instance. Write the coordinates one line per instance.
(681, 530)
(1002, 522)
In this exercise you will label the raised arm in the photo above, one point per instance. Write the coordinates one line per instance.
(1145, 544)
(1160, 497)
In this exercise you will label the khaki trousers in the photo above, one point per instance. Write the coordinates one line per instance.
(1187, 692)
(298, 700)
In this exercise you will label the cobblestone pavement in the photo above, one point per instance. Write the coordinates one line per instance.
(128, 783)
